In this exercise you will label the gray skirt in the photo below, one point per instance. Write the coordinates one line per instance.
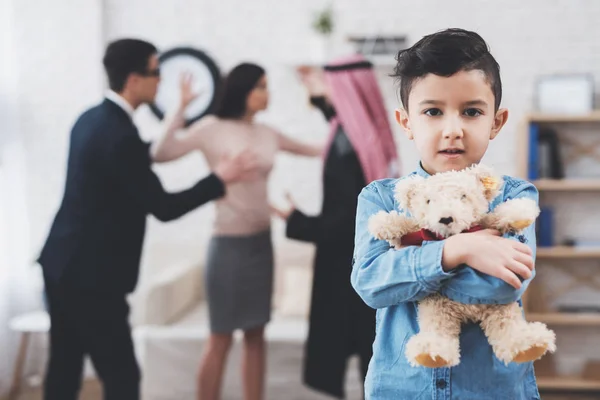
(239, 281)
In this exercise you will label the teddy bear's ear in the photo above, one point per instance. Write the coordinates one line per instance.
(406, 189)
(490, 181)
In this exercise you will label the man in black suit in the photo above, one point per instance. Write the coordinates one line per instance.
(92, 254)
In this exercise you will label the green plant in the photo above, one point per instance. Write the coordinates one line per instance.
(323, 22)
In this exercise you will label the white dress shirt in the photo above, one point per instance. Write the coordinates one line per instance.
(120, 101)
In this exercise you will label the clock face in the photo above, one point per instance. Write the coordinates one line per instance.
(205, 79)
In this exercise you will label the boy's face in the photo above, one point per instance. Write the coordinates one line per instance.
(451, 119)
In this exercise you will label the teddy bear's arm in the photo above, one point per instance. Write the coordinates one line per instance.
(512, 215)
(390, 225)
(468, 286)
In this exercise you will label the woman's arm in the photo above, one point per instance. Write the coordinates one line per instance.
(175, 141)
(300, 148)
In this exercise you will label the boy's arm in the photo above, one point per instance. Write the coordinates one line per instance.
(470, 286)
(383, 276)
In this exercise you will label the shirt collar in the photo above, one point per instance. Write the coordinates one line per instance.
(120, 101)
(421, 171)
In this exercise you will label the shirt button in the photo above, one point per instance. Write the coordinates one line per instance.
(522, 238)
(441, 384)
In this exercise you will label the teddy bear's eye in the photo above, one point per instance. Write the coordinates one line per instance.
(427, 201)
(464, 196)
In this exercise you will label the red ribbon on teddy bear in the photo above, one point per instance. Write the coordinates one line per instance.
(417, 238)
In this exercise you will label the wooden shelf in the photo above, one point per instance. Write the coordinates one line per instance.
(574, 319)
(567, 252)
(567, 383)
(567, 184)
(549, 118)
(539, 295)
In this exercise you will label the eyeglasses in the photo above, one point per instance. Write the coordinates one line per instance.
(153, 72)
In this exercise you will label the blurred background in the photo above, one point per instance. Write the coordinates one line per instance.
(51, 71)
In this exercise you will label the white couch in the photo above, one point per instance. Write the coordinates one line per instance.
(170, 326)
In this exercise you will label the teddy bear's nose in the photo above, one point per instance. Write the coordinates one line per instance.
(446, 220)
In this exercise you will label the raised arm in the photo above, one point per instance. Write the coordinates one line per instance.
(323, 104)
(175, 142)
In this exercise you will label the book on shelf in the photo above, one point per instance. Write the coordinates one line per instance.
(545, 227)
(544, 159)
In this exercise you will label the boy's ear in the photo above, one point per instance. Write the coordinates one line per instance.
(402, 119)
(406, 189)
(499, 121)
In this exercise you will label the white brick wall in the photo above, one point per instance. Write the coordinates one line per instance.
(528, 39)
(60, 46)
(59, 54)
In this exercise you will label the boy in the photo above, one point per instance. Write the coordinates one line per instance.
(450, 92)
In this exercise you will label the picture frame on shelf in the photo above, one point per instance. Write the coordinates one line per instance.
(378, 44)
(571, 94)
(379, 49)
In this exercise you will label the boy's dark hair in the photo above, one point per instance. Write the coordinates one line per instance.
(445, 53)
(237, 86)
(124, 57)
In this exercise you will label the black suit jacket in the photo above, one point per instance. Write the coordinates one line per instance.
(97, 235)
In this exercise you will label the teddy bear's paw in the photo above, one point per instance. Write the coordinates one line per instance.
(432, 350)
(537, 340)
(381, 225)
(519, 225)
(516, 214)
(531, 354)
(426, 360)
(529, 342)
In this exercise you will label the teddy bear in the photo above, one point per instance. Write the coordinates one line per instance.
(446, 204)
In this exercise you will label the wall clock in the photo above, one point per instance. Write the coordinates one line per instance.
(206, 78)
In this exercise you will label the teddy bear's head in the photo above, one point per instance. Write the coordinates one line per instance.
(450, 202)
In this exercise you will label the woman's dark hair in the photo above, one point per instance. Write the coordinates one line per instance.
(235, 90)
(445, 53)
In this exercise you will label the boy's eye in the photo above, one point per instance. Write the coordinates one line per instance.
(433, 112)
(472, 112)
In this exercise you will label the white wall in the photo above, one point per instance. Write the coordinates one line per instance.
(59, 55)
(18, 292)
(60, 45)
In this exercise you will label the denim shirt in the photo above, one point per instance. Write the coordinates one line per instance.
(393, 281)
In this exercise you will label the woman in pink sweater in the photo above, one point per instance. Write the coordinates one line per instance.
(239, 268)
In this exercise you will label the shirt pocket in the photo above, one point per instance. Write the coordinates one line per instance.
(394, 355)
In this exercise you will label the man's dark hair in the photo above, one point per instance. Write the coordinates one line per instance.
(445, 53)
(237, 86)
(124, 57)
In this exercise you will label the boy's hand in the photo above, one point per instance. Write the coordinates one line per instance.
(488, 252)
